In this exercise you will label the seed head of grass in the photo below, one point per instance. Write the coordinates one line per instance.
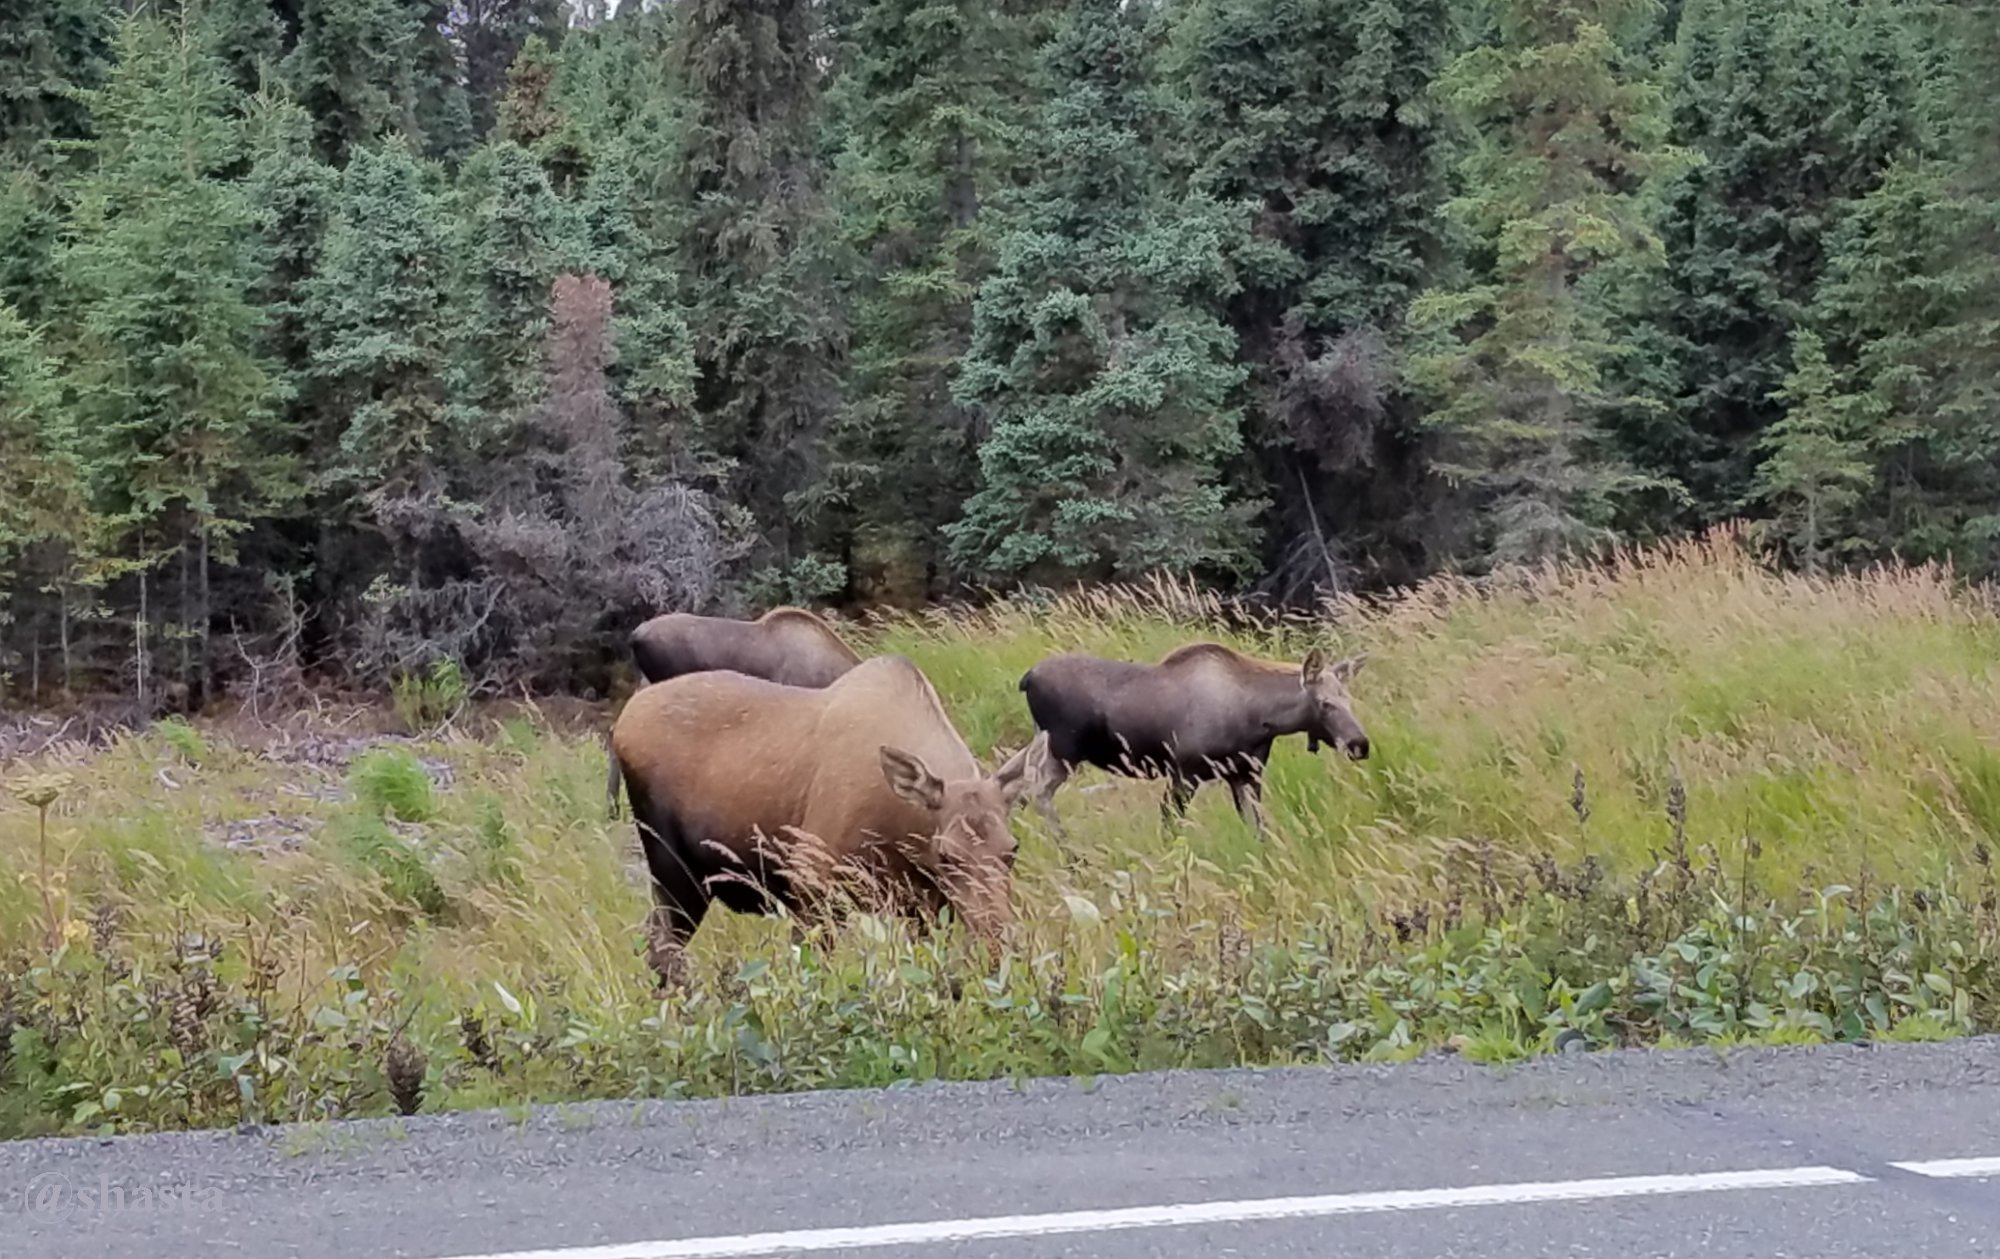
(39, 791)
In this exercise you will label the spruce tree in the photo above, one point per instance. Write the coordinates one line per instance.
(31, 218)
(529, 113)
(376, 314)
(516, 237)
(929, 108)
(355, 70)
(291, 195)
(174, 404)
(630, 239)
(615, 77)
(1796, 107)
(1097, 356)
(47, 532)
(756, 255)
(49, 51)
(620, 128)
(247, 36)
(1909, 309)
(536, 114)
(443, 112)
(1815, 469)
(491, 34)
(1565, 127)
(40, 492)
(1321, 112)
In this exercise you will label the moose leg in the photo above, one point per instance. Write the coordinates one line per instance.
(1174, 807)
(611, 781)
(804, 919)
(1247, 791)
(1045, 795)
(666, 949)
(679, 899)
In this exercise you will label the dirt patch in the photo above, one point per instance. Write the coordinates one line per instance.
(335, 753)
(25, 735)
(267, 834)
(327, 727)
(325, 791)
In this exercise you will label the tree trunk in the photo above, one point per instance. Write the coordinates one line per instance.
(187, 617)
(139, 628)
(62, 629)
(961, 193)
(205, 610)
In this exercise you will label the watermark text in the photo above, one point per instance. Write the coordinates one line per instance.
(54, 1194)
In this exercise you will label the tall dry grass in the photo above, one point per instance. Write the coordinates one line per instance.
(1849, 722)
(1678, 796)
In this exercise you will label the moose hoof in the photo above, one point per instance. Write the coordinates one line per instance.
(669, 979)
(666, 956)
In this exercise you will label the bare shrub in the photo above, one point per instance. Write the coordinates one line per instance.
(406, 628)
(269, 672)
(563, 551)
(1331, 402)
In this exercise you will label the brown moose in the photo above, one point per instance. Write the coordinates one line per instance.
(724, 770)
(1203, 712)
(785, 645)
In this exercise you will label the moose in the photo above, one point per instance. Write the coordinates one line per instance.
(1203, 712)
(723, 769)
(785, 645)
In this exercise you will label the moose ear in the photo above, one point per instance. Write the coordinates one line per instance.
(911, 779)
(1314, 666)
(1027, 768)
(1347, 668)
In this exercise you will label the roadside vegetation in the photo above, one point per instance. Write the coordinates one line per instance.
(1679, 800)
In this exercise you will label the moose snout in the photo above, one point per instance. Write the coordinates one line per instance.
(1357, 749)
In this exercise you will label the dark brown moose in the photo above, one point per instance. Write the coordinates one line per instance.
(1203, 712)
(786, 645)
(724, 770)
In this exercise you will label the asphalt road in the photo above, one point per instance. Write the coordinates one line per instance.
(1763, 1154)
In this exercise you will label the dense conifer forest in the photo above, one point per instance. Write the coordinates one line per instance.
(341, 338)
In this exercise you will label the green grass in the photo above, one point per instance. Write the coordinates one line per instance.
(1509, 863)
(392, 783)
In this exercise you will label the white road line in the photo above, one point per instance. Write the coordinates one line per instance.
(1177, 1215)
(1953, 1167)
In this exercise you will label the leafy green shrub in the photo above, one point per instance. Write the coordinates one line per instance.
(182, 739)
(1617, 962)
(806, 580)
(425, 701)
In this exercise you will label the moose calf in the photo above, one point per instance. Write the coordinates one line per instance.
(1203, 712)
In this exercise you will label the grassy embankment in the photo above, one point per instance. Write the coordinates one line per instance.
(1681, 801)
